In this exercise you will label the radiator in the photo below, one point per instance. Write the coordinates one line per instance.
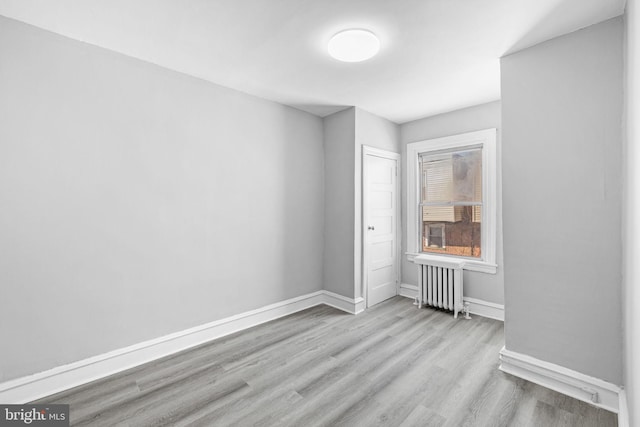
(440, 283)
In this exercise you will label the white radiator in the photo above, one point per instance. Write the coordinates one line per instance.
(440, 283)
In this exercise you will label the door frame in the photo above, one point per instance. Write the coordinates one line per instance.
(390, 155)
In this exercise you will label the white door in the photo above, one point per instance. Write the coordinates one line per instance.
(380, 223)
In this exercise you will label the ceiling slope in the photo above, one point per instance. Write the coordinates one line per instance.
(436, 55)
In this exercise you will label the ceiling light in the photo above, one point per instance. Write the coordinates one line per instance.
(353, 45)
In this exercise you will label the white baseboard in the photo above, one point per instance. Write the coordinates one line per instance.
(33, 387)
(476, 306)
(409, 291)
(350, 305)
(563, 380)
(485, 308)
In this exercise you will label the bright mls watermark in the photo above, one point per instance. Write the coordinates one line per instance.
(34, 415)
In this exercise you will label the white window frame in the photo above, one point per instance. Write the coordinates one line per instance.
(486, 139)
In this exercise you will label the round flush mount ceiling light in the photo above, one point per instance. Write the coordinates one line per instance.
(353, 45)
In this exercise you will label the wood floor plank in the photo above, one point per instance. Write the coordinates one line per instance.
(393, 365)
(423, 417)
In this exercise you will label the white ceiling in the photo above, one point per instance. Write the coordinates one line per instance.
(436, 55)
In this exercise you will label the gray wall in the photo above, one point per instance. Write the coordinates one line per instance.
(345, 133)
(561, 118)
(377, 132)
(339, 137)
(137, 201)
(631, 215)
(483, 286)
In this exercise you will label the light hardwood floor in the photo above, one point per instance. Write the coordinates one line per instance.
(393, 365)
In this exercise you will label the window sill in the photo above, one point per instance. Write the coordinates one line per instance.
(469, 264)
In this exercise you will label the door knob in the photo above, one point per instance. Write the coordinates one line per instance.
(371, 227)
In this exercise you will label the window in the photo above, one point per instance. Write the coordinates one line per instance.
(451, 192)
(451, 195)
(433, 236)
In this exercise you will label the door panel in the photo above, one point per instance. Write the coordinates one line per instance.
(382, 250)
(380, 217)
